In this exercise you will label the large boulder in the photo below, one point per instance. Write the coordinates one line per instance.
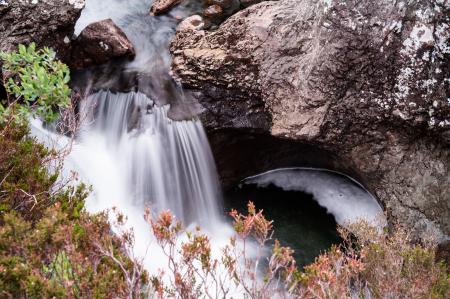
(98, 43)
(358, 86)
(46, 22)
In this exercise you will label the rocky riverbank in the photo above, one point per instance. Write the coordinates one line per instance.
(357, 86)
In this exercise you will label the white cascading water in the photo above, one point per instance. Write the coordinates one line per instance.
(156, 161)
(135, 157)
(129, 150)
(163, 163)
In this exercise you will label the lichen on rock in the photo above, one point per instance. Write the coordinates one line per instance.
(366, 81)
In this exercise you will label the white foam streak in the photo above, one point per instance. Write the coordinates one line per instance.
(341, 196)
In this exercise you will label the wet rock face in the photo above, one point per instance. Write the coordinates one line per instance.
(366, 81)
(98, 43)
(214, 13)
(46, 22)
(162, 6)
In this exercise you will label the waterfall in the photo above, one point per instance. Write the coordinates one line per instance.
(137, 149)
(134, 156)
(131, 149)
(162, 163)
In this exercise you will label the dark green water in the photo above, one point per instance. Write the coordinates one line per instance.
(299, 222)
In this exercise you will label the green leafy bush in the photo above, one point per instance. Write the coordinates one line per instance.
(37, 83)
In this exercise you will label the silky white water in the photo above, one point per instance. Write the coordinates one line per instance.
(135, 157)
(163, 163)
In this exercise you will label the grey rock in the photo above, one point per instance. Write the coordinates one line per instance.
(98, 43)
(47, 23)
(357, 86)
(194, 22)
(214, 13)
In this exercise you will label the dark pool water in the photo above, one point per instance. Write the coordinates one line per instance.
(299, 222)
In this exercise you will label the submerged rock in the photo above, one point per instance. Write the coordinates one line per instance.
(194, 22)
(98, 43)
(214, 13)
(360, 86)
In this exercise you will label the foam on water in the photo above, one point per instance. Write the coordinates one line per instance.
(343, 197)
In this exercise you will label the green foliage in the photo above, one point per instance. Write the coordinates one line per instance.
(37, 81)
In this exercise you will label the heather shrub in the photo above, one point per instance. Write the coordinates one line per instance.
(26, 183)
(50, 247)
(371, 263)
(368, 264)
(193, 272)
